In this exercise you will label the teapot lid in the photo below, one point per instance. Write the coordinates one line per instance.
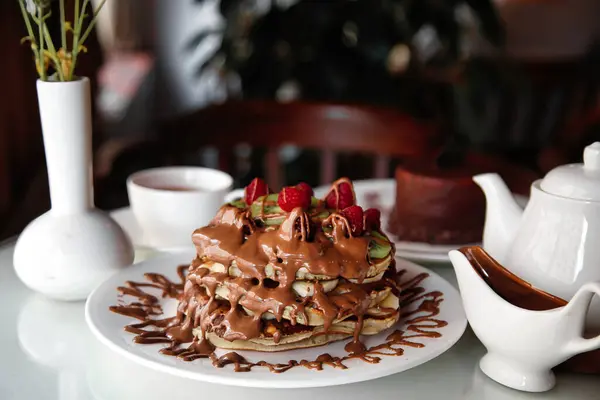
(577, 181)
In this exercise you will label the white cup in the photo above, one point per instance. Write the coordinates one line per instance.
(170, 203)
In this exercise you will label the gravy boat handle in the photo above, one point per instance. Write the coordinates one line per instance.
(579, 305)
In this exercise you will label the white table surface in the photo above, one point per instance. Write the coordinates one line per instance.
(47, 352)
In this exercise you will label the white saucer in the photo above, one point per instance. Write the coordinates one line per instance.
(378, 193)
(125, 218)
(108, 328)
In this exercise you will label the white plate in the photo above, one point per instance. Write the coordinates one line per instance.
(378, 193)
(108, 328)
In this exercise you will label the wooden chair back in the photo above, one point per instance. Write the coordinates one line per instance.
(328, 128)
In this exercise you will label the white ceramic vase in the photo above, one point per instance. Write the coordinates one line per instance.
(72, 248)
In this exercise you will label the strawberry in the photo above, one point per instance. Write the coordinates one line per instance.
(354, 215)
(344, 197)
(372, 219)
(292, 197)
(306, 187)
(254, 190)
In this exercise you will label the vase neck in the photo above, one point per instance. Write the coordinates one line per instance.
(65, 111)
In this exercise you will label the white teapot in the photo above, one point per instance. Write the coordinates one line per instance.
(555, 243)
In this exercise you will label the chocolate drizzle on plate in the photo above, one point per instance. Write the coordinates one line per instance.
(420, 309)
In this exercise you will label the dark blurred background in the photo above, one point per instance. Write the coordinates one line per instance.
(311, 90)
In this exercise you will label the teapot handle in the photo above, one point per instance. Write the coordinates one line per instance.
(579, 306)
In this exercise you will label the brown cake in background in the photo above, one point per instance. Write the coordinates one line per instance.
(440, 204)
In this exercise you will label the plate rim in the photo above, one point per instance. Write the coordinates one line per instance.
(281, 382)
(416, 257)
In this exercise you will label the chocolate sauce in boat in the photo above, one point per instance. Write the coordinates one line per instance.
(230, 304)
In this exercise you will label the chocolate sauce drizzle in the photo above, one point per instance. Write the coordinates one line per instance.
(418, 321)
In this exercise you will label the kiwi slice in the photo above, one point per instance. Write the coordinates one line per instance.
(272, 197)
(322, 215)
(239, 203)
(269, 205)
(378, 249)
(277, 214)
(274, 221)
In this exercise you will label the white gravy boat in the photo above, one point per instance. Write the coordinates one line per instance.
(523, 345)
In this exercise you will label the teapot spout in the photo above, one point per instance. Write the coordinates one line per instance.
(502, 217)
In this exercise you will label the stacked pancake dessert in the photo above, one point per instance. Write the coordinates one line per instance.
(284, 271)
